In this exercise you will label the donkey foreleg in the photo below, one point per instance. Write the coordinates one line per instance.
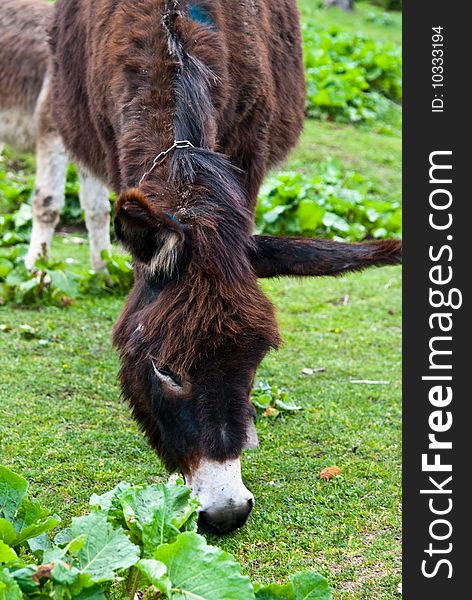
(48, 200)
(94, 200)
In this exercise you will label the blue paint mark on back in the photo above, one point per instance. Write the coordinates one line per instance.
(201, 15)
(172, 218)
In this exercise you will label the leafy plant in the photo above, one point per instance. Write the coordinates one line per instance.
(303, 586)
(271, 400)
(52, 282)
(13, 227)
(17, 188)
(332, 204)
(16, 182)
(350, 77)
(117, 277)
(21, 519)
(383, 19)
(136, 538)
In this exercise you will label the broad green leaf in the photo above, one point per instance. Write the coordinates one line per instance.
(23, 215)
(18, 276)
(311, 586)
(201, 572)
(76, 544)
(9, 589)
(7, 554)
(70, 577)
(105, 551)
(5, 267)
(304, 586)
(13, 489)
(110, 504)
(262, 401)
(39, 544)
(64, 537)
(309, 215)
(287, 406)
(109, 500)
(37, 528)
(335, 221)
(64, 573)
(270, 398)
(10, 238)
(64, 281)
(54, 555)
(23, 290)
(31, 521)
(276, 592)
(7, 532)
(272, 215)
(24, 578)
(92, 593)
(156, 573)
(156, 513)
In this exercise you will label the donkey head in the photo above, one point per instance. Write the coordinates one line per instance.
(194, 330)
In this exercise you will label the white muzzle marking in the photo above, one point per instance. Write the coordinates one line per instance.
(219, 487)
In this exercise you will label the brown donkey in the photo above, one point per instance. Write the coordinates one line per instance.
(182, 106)
(27, 125)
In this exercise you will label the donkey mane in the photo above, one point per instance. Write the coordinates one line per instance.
(215, 299)
(212, 302)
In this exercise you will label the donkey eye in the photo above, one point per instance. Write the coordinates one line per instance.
(167, 376)
(166, 372)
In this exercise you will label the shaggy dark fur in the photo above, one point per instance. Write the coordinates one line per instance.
(130, 78)
(293, 256)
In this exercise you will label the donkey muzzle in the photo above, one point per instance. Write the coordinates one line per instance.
(225, 502)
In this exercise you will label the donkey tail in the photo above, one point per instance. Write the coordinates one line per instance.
(273, 256)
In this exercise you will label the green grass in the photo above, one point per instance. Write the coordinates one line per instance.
(377, 157)
(65, 428)
(353, 21)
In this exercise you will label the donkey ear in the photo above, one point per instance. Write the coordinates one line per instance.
(273, 256)
(154, 238)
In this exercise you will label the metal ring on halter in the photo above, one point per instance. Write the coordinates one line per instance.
(177, 145)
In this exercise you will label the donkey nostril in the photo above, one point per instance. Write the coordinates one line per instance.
(205, 525)
(224, 521)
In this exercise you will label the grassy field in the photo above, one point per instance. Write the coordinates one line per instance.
(65, 428)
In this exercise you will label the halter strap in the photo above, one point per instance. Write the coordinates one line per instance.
(177, 145)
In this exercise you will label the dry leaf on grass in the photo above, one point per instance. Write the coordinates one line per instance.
(271, 412)
(309, 371)
(329, 472)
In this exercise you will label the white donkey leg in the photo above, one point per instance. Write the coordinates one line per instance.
(94, 200)
(51, 171)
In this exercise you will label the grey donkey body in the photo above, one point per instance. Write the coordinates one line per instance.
(27, 126)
